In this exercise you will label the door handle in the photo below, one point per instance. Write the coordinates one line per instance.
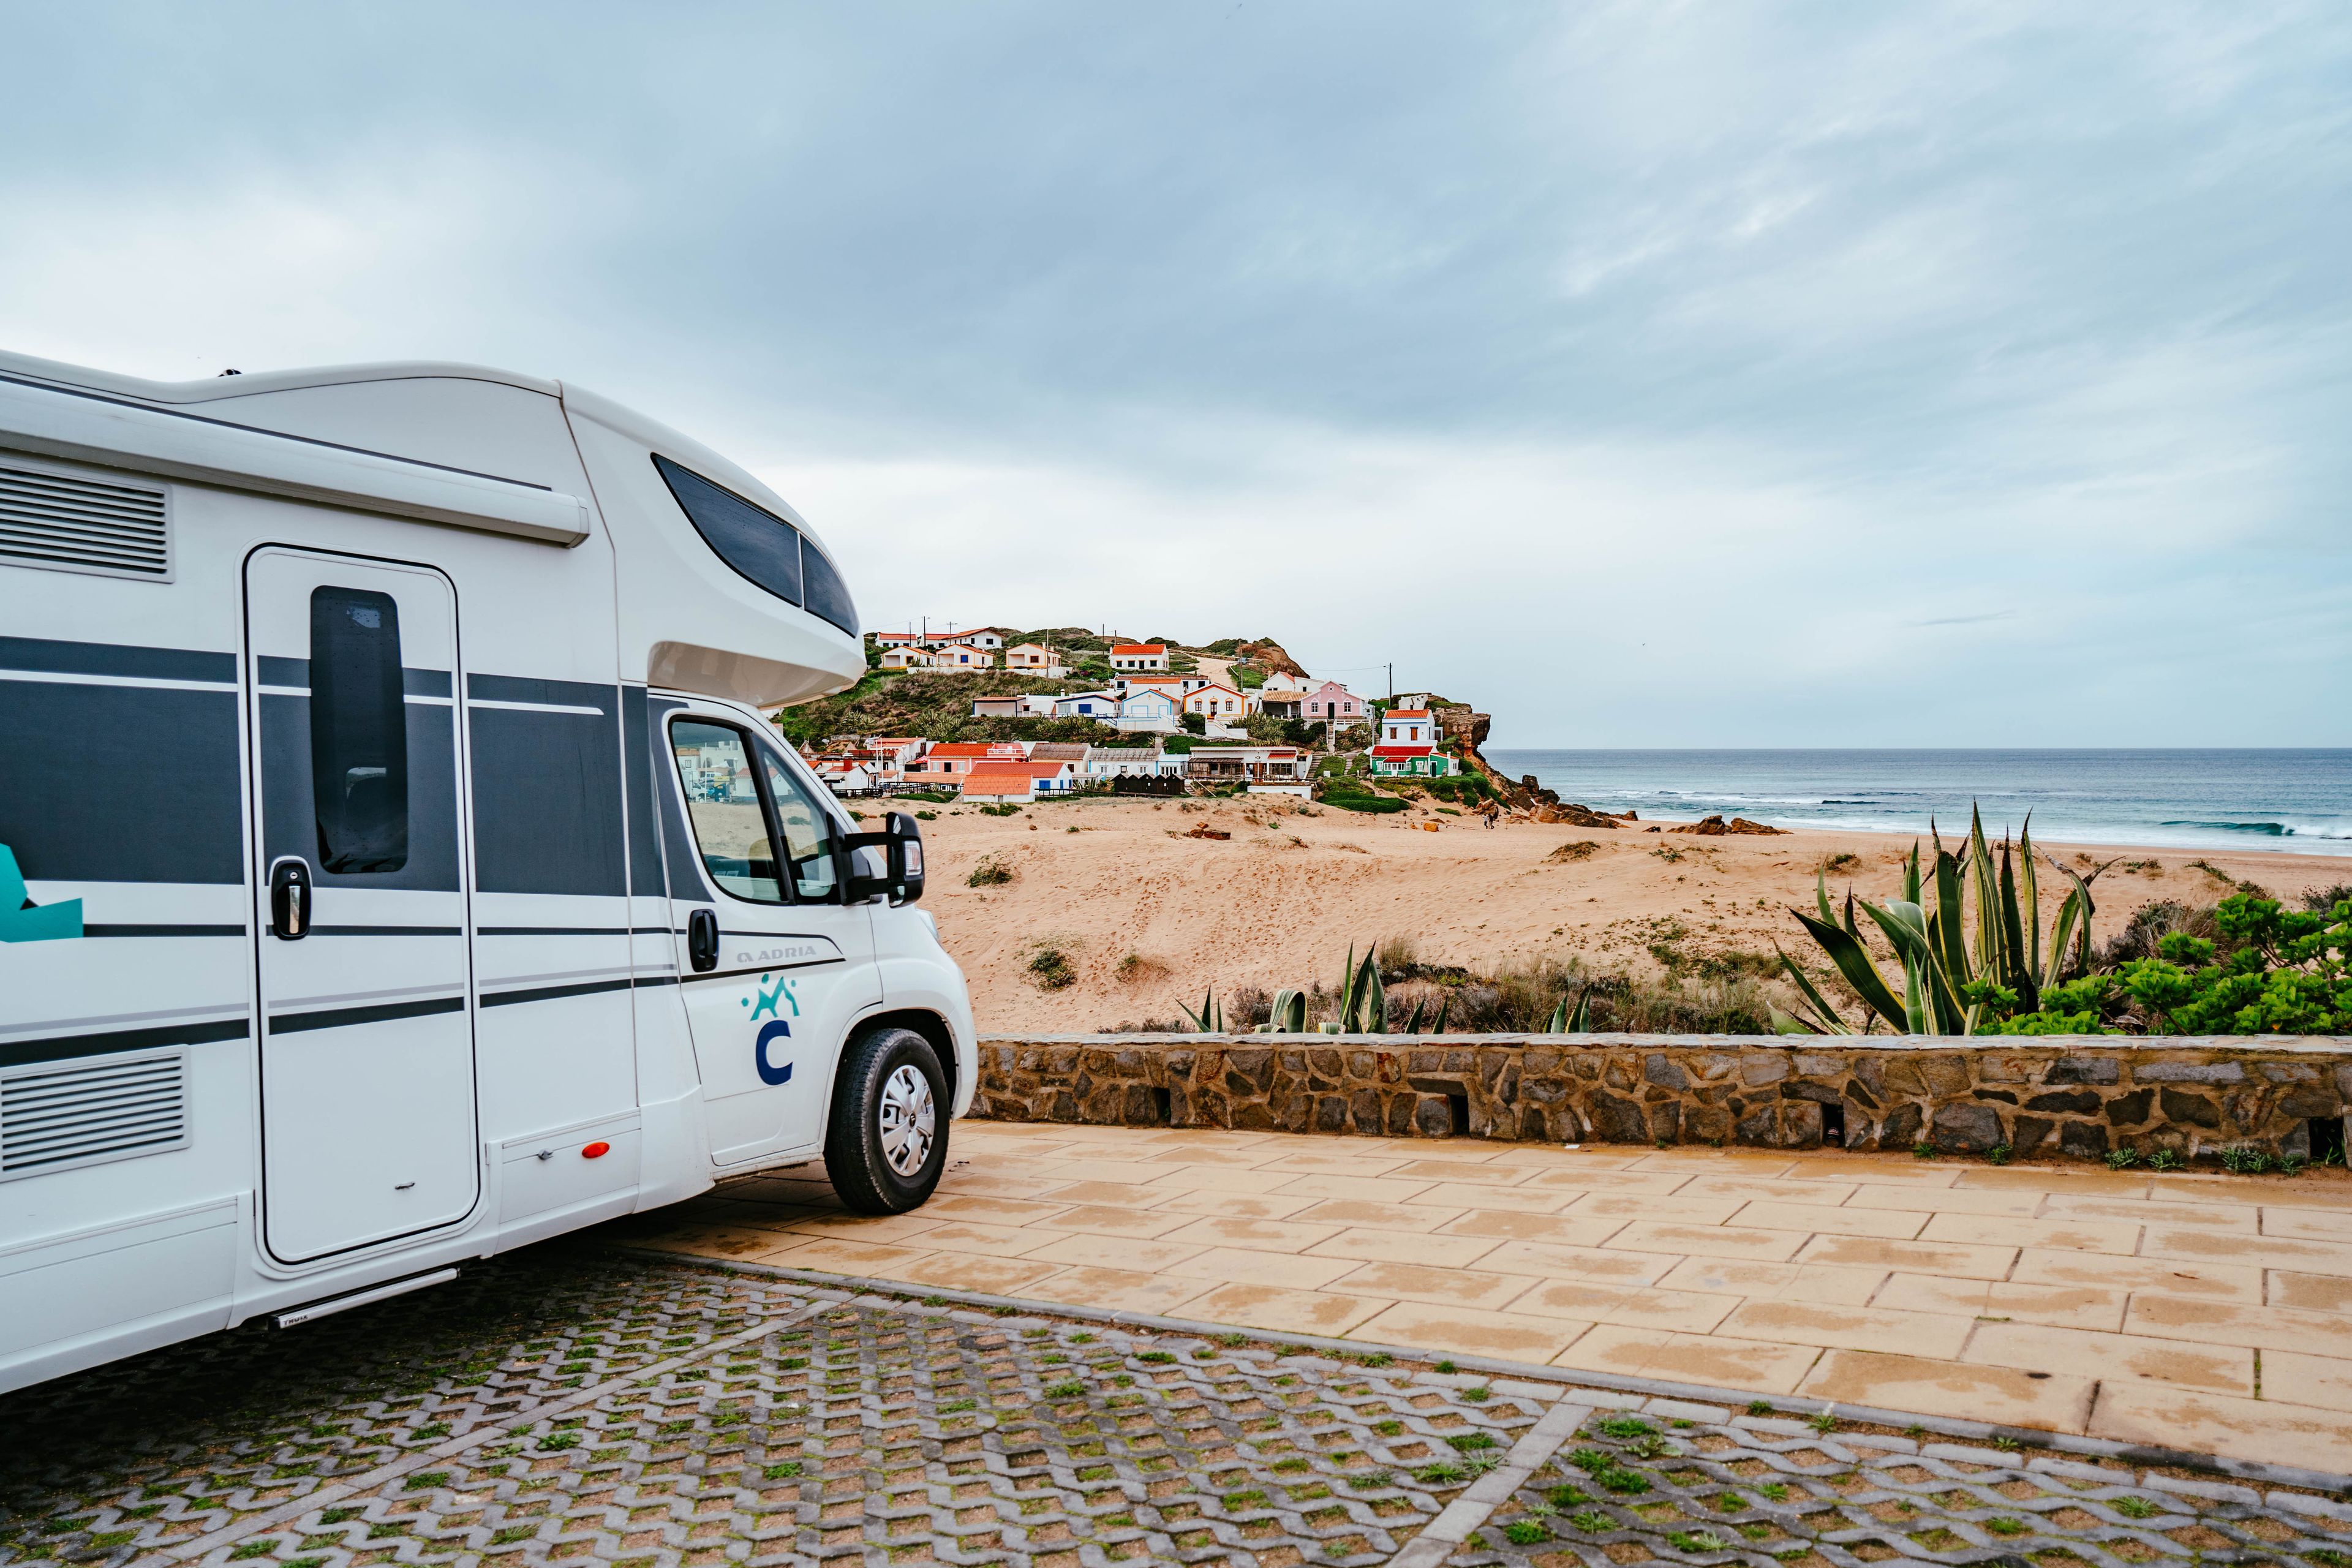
(702, 940)
(290, 897)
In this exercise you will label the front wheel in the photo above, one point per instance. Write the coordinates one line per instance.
(887, 1140)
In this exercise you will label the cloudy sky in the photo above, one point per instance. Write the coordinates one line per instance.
(1648, 375)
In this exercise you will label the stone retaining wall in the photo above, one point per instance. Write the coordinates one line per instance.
(2079, 1096)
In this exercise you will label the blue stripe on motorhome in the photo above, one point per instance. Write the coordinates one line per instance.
(268, 670)
(113, 930)
(678, 844)
(547, 791)
(553, 992)
(376, 1013)
(531, 689)
(290, 821)
(120, 784)
(637, 764)
(116, 658)
(62, 1048)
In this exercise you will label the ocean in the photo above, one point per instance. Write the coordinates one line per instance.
(2299, 801)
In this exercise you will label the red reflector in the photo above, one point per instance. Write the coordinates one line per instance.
(596, 1151)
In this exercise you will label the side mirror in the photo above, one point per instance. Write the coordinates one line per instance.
(899, 874)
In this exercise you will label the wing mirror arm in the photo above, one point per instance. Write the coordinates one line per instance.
(901, 843)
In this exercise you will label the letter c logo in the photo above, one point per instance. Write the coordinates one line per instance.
(776, 1029)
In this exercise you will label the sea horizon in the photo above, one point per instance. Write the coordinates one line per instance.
(2284, 799)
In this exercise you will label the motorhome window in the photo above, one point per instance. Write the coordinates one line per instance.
(807, 830)
(828, 595)
(764, 548)
(359, 732)
(722, 801)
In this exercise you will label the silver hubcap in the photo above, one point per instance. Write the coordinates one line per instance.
(909, 1121)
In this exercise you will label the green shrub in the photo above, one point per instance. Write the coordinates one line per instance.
(1051, 969)
(991, 872)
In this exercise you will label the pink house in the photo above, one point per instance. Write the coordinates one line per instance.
(1333, 703)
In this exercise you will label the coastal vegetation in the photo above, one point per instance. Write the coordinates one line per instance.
(1970, 947)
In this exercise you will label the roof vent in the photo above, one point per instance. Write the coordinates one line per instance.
(71, 523)
(60, 1115)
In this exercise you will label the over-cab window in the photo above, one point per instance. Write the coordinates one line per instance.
(760, 545)
(723, 802)
(358, 731)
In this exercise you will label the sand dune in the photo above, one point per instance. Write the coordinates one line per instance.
(1279, 902)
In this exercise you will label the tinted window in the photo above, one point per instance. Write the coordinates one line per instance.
(828, 595)
(764, 548)
(722, 801)
(358, 731)
(807, 831)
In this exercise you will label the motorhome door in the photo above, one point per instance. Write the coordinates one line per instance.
(367, 1044)
(773, 965)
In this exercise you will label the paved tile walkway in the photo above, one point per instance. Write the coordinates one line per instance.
(2203, 1312)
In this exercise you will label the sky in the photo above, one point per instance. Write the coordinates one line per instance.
(1649, 374)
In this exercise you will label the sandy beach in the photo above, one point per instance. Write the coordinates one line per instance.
(1279, 901)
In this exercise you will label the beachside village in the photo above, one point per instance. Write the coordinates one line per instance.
(991, 716)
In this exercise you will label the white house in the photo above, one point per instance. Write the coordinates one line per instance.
(980, 637)
(902, 656)
(1131, 762)
(1139, 656)
(1017, 705)
(1214, 700)
(1148, 710)
(1282, 680)
(1029, 658)
(1407, 744)
(962, 658)
(1102, 705)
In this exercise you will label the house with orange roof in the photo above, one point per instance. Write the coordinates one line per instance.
(1019, 783)
(1139, 656)
(1215, 701)
(946, 764)
(1031, 658)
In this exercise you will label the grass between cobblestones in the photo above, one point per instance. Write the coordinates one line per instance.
(891, 1434)
(916, 1432)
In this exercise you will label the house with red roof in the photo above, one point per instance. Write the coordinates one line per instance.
(1407, 744)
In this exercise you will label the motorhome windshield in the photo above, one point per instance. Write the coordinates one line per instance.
(761, 546)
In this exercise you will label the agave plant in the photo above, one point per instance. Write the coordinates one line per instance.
(1210, 1019)
(1288, 1014)
(1363, 1002)
(1576, 1022)
(1961, 967)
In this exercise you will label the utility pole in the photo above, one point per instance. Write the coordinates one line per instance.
(1392, 683)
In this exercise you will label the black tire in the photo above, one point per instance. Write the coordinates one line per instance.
(863, 1156)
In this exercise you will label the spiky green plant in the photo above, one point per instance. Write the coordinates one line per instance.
(1288, 1013)
(1967, 962)
(1210, 1019)
(1363, 1002)
(1576, 1022)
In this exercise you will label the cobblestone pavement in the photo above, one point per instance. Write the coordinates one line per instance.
(1708, 1488)
(715, 1418)
(569, 1403)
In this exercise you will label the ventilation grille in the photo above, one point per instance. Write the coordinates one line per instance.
(83, 1113)
(78, 524)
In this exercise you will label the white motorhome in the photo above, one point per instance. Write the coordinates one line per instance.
(395, 867)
